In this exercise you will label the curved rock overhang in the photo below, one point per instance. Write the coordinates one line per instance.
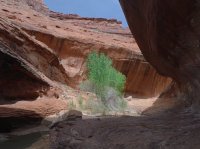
(168, 35)
(17, 82)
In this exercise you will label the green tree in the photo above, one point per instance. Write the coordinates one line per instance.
(103, 75)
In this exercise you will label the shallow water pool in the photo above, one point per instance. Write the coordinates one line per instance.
(23, 142)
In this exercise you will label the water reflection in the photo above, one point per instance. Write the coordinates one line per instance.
(22, 142)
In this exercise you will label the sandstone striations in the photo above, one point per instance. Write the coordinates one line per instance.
(70, 38)
(41, 50)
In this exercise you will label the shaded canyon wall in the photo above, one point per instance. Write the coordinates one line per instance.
(167, 33)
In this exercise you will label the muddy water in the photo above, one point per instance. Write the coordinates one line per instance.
(30, 141)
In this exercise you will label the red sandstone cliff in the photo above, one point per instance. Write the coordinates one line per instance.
(41, 49)
(63, 42)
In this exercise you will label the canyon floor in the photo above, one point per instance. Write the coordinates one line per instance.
(167, 131)
(33, 134)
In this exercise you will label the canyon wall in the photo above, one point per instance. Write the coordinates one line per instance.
(41, 50)
(167, 33)
(63, 42)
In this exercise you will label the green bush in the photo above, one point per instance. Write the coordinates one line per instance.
(102, 74)
(95, 106)
(105, 81)
(87, 86)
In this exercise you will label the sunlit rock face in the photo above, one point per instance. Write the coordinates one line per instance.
(41, 49)
(71, 38)
(167, 33)
(142, 79)
(56, 45)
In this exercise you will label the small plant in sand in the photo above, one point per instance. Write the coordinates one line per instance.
(71, 105)
(81, 102)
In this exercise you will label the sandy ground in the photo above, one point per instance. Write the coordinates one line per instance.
(43, 107)
(139, 105)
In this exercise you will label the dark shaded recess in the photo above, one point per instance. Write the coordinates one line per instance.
(11, 119)
(17, 83)
(168, 34)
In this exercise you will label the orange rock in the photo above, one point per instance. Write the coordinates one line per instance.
(69, 38)
(41, 49)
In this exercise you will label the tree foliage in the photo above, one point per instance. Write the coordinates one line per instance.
(103, 74)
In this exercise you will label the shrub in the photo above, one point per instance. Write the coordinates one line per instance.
(87, 86)
(114, 102)
(71, 105)
(95, 106)
(106, 82)
(80, 102)
(102, 74)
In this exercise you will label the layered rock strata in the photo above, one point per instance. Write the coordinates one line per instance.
(41, 50)
(67, 39)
